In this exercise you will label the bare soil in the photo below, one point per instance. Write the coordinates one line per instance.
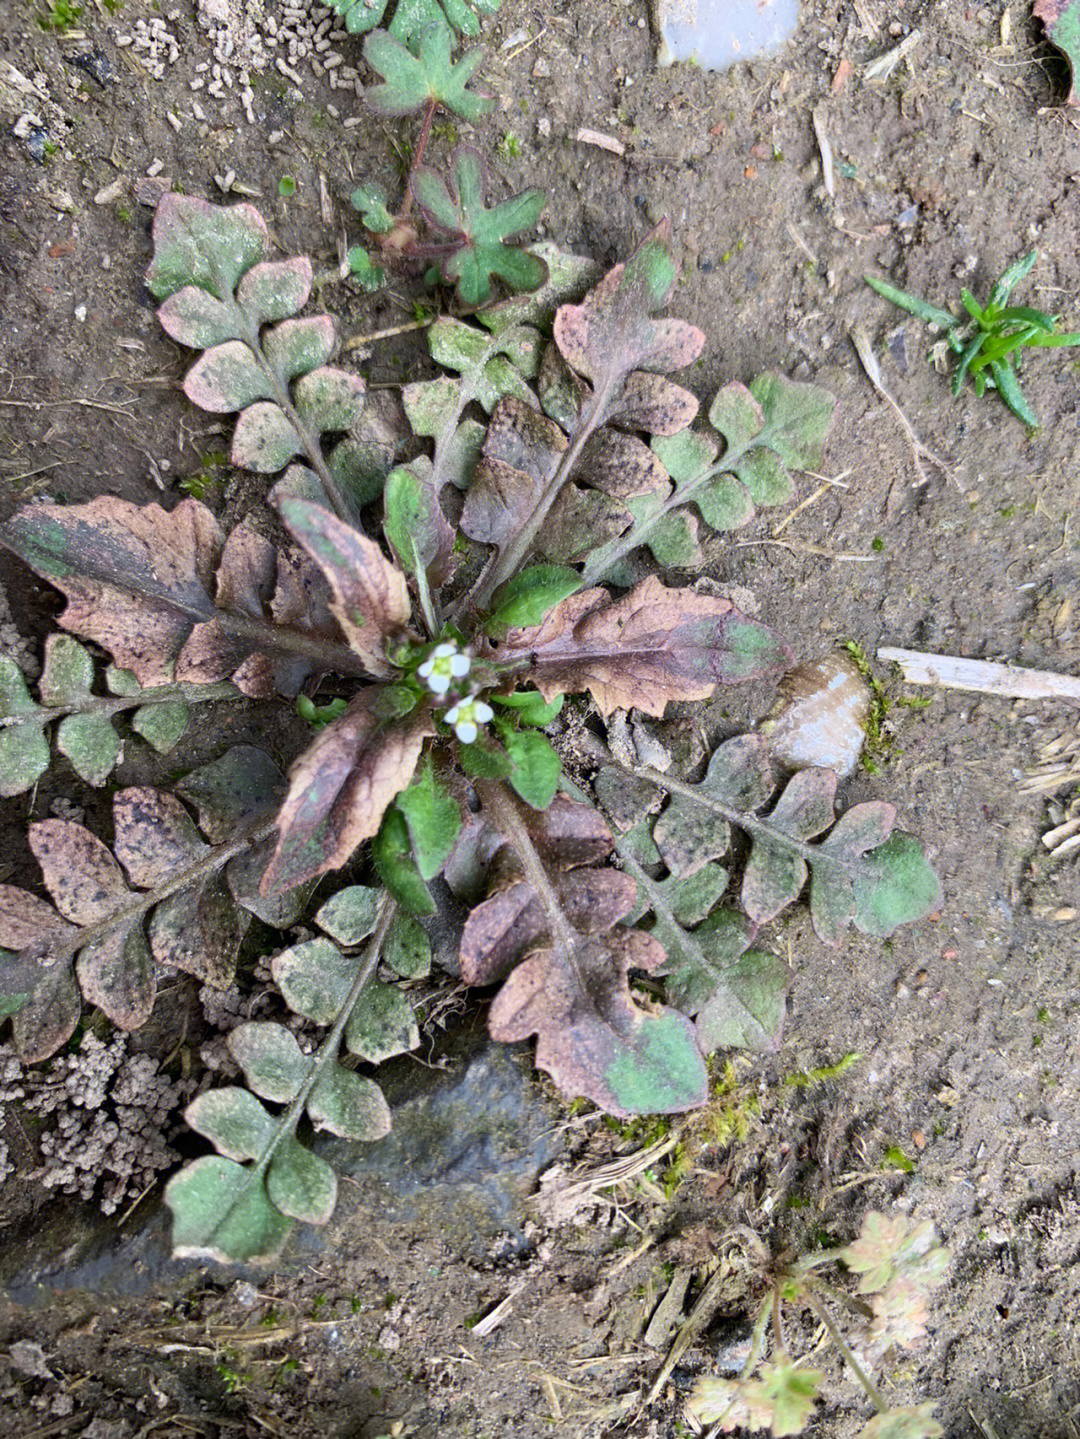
(966, 1025)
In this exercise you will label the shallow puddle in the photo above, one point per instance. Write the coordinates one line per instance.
(717, 33)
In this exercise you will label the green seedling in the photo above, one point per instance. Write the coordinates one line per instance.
(897, 1264)
(991, 341)
(59, 17)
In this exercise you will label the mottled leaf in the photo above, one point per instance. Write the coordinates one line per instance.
(410, 81)
(381, 1024)
(653, 645)
(776, 872)
(221, 1211)
(419, 533)
(273, 1063)
(345, 1104)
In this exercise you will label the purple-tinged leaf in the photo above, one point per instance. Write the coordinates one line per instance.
(296, 347)
(274, 290)
(329, 399)
(776, 872)
(210, 246)
(227, 378)
(265, 440)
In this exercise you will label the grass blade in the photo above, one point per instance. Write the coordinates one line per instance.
(1011, 278)
(1008, 387)
(912, 303)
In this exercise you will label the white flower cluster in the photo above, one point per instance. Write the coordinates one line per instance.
(445, 666)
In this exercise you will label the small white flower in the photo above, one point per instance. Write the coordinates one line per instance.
(466, 717)
(445, 664)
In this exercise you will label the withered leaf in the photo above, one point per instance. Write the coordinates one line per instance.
(340, 788)
(520, 454)
(370, 595)
(653, 645)
(136, 580)
(611, 333)
(592, 1038)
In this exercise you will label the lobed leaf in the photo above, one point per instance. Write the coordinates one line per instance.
(653, 645)
(423, 74)
(480, 233)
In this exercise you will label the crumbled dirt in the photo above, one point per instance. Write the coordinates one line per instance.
(961, 161)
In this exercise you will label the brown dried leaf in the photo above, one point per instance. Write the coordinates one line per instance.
(520, 454)
(370, 595)
(653, 645)
(340, 788)
(80, 874)
(136, 580)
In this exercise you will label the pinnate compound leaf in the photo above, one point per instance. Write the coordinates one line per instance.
(233, 1120)
(740, 776)
(350, 915)
(340, 787)
(37, 985)
(381, 1025)
(781, 1399)
(653, 645)
(797, 419)
(1062, 21)
(916, 1422)
(521, 452)
(413, 80)
(481, 232)
(221, 1211)
(370, 595)
(208, 246)
(776, 873)
(610, 334)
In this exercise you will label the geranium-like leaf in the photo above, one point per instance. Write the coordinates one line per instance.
(775, 873)
(890, 1247)
(1062, 21)
(340, 787)
(653, 645)
(610, 334)
(371, 596)
(780, 1399)
(481, 233)
(412, 17)
(411, 81)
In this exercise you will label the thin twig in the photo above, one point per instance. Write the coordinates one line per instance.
(981, 676)
(861, 340)
(359, 341)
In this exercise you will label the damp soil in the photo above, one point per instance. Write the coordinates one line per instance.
(966, 1025)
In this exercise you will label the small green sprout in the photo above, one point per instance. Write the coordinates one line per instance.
(286, 187)
(509, 147)
(59, 16)
(991, 341)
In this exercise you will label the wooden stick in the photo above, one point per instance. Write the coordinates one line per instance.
(1008, 681)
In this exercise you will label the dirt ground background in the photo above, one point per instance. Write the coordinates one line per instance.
(966, 1025)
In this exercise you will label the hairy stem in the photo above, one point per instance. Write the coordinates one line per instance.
(418, 154)
(821, 1311)
(109, 706)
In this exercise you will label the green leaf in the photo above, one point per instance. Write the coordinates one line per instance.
(91, 744)
(381, 1025)
(348, 1105)
(68, 672)
(363, 269)
(233, 1120)
(315, 979)
(536, 766)
(433, 818)
(350, 915)
(740, 775)
(891, 1247)
(912, 1423)
(419, 533)
(209, 246)
(411, 81)
(481, 233)
(531, 707)
(797, 417)
(300, 1184)
(24, 750)
(407, 950)
(776, 872)
(370, 199)
(391, 851)
(221, 1212)
(781, 1398)
(913, 304)
(273, 1063)
(526, 599)
(162, 725)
